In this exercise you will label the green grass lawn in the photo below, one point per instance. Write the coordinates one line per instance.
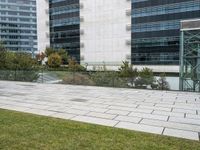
(19, 131)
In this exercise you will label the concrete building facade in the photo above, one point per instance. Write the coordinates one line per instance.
(18, 25)
(43, 29)
(65, 26)
(105, 37)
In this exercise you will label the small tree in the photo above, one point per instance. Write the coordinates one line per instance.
(49, 51)
(24, 61)
(162, 82)
(54, 60)
(127, 71)
(146, 77)
(64, 56)
(2, 56)
(74, 66)
(2, 48)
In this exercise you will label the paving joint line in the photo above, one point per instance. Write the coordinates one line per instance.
(168, 118)
(140, 120)
(129, 113)
(137, 106)
(115, 117)
(163, 130)
(199, 135)
(117, 123)
(152, 111)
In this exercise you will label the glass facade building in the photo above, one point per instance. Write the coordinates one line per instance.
(156, 29)
(18, 25)
(65, 26)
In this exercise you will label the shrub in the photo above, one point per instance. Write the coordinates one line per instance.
(106, 78)
(54, 60)
(49, 51)
(127, 71)
(18, 66)
(146, 78)
(78, 79)
(64, 56)
(162, 82)
(74, 66)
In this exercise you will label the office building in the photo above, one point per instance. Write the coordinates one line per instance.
(65, 26)
(143, 32)
(156, 31)
(18, 25)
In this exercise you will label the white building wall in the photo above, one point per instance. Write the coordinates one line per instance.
(43, 25)
(160, 68)
(105, 34)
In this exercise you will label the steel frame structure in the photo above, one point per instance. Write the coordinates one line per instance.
(190, 56)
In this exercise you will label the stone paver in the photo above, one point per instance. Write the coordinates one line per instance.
(161, 112)
(172, 125)
(191, 116)
(140, 127)
(181, 134)
(118, 112)
(62, 115)
(149, 116)
(94, 120)
(128, 119)
(185, 120)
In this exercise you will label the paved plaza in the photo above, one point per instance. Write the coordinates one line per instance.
(168, 113)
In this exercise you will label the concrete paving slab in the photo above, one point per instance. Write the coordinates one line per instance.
(140, 127)
(62, 115)
(191, 116)
(185, 120)
(173, 125)
(101, 115)
(128, 119)
(94, 120)
(181, 134)
(117, 112)
(166, 113)
(149, 116)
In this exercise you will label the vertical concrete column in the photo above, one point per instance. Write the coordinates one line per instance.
(105, 32)
(43, 30)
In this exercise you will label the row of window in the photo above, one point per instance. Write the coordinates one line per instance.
(17, 26)
(15, 13)
(136, 1)
(142, 40)
(155, 58)
(166, 9)
(31, 49)
(10, 19)
(18, 43)
(69, 33)
(17, 31)
(65, 21)
(156, 26)
(27, 2)
(27, 37)
(68, 1)
(64, 9)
